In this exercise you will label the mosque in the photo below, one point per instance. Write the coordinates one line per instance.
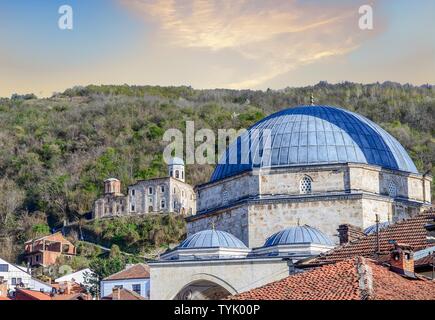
(324, 167)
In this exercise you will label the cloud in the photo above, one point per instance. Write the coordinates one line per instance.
(274, 37)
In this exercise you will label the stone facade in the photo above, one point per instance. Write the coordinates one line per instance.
(161, 195)
(254, 205)
(212, 279)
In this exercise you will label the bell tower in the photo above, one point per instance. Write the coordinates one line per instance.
(176, 169)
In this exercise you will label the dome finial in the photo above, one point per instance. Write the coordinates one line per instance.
(212, 225)
(312, 99)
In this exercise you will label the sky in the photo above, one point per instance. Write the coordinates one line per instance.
(239, 44)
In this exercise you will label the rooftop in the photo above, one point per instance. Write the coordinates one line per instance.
(137, 271)
(125, 294)
(298, 234)
(410, 231)
(212, 239)
(351, 279)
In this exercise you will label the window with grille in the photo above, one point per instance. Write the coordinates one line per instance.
(392, 189)
(305, 185)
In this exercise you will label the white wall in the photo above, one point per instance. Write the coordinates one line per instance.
(108, 285)
(20, 272)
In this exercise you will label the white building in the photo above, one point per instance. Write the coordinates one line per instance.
(135, 278)
(77, 277)
(212, 264)
(18, 276)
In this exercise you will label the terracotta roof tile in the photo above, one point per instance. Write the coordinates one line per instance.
(341, 281)
(126, 294)
(410, 231)
(138, 271)
(36, 295)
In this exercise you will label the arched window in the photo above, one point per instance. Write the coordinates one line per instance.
(182, 174)
(305, 185)
(392, 189)
(163, 204)
(177, 174)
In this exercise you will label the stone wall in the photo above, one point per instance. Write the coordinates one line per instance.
(220, 194)
(233, 220)
(326, 215)
(324, 180)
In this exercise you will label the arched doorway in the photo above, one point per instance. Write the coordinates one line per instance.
(202, 290)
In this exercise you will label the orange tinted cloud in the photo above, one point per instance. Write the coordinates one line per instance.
(275, 37)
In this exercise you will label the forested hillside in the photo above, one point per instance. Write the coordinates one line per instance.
(55, 152)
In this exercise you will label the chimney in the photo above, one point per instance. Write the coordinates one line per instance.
(402, 260)
(3, 288)
(116, 293)
(348, 233)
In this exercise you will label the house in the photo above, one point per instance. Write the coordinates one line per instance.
(356, 278)
(135, 278)
(44, 251)
(14, 276)
(77, 277)
(123, 294)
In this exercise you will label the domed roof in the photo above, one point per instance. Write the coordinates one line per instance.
(212, 239)
(372, 229)
(308, 135)
(176, 161)
(298, 234)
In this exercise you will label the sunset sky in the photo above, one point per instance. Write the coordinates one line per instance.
(255, 44)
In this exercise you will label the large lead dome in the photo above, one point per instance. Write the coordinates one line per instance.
(309, 135)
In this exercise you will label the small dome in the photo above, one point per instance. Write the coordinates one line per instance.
(176, 161)
(372, 229)
(212, 239)
(298, 234)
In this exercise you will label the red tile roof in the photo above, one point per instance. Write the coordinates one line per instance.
(425, 261)
(138, 271)
(4, 298)
(125, 294)
(410, 231)
(351, 279)
(25, 294)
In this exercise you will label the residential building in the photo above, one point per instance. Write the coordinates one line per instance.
(15, 276)
(135, 278)
(44, 251)
(76, 277)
